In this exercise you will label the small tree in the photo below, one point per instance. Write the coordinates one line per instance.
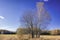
(40, 20)
(28, 21)
(43, 17)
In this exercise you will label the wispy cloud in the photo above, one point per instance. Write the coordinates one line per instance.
(1, 17)
(45, 0)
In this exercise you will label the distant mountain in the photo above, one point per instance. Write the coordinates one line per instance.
(6, 32)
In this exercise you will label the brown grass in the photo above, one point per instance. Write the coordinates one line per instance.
(28, 37)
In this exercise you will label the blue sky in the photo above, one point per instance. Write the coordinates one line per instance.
(12, 10)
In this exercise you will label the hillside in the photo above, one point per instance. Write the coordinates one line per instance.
(6, 32)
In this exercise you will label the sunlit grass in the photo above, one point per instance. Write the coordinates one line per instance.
(26, 37)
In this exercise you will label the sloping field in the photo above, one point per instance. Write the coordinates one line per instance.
(15, 37)
(50, 37)
(8, 37)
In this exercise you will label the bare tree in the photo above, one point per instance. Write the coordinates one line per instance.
(39, 20)
(28, 21)
(43, 17)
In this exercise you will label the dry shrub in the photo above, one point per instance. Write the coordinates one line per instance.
(20, 37)
(24, 37)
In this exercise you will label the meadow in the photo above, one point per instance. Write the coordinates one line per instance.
(26, 37)
(8, 37)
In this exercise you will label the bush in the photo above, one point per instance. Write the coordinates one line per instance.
(45, 33)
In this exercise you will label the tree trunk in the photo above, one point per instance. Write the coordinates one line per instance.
(36, 32)
(39, 35)
(32, 30)
(32, 34)
(36, 35)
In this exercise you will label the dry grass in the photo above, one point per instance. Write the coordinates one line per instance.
(8, 37)
(51, 37)
(27, 37)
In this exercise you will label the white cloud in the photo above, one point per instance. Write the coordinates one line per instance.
(45, 0)
(1, 17)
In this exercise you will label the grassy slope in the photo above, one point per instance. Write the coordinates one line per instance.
(8, 37)
(50, 36)
(14, 37)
